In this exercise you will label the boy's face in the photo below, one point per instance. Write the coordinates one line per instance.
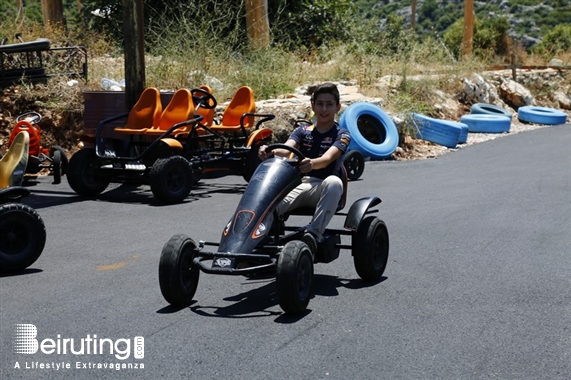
(325, 107)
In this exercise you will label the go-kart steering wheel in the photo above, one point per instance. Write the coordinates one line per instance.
(291, 149)
(31, 117)
(205, 99)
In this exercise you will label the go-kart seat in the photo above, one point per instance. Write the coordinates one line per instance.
(179, 109)
(242, 102)
(13, 164)
(145, 113)
(33, 131)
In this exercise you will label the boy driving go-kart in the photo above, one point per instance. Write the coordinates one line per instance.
(256, 239)
(323, 144)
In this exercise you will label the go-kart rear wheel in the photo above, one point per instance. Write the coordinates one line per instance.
(294, 276)
(354, 164)
(84, 173)
(56, 166)
(63, 159)
(171, 179)
(370, 246)
(22, 237)
(178, 278)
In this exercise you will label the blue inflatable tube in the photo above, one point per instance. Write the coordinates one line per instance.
(481, 123)
(442, 132)
(488, 109)
(373, 133)
(541, 115)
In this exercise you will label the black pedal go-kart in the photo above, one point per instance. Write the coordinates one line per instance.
(256, 240)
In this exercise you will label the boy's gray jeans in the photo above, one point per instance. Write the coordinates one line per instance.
(324, 195)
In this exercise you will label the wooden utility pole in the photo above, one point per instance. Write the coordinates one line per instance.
(52, 11)
(413, 15)
(134, 35)
(257, 23)
(468, 27)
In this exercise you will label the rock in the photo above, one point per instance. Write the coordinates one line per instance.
(446, 106)
(515, 94)
(563, 99)
(555, 62)
(478, 90)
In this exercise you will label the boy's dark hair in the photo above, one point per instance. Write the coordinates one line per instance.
(326, 88)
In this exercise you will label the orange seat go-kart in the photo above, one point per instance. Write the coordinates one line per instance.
(173, 152)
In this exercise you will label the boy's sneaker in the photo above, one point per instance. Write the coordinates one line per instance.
(311, 242)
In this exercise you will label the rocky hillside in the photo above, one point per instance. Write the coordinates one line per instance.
(529, 19)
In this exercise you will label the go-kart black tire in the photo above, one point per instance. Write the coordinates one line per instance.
(171, 179)
(56, 166)
(178, 278)
(354, 164)
(22, 237)
(370, 246)
(294, 277)
(83, 174)
(64, 160)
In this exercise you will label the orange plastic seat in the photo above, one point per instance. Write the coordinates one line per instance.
(242, 102)
(179, 109)
(145, 113)
(13, 163)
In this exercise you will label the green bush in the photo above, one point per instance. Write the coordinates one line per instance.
(490, 37)
(557, 40)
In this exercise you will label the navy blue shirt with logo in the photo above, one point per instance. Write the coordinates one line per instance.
(314, 144)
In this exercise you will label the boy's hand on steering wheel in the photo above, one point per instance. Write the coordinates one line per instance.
(263, 154)
(306, 165)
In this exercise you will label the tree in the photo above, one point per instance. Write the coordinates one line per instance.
(468, 27)
(257, 22)
(52, 11)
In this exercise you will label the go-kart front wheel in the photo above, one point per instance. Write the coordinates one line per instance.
(178, 277)
(294, 276)
(171, 179)
(22, 237)
(370, 246)
(84, 173)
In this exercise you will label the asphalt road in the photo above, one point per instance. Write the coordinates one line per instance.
(478, 283)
